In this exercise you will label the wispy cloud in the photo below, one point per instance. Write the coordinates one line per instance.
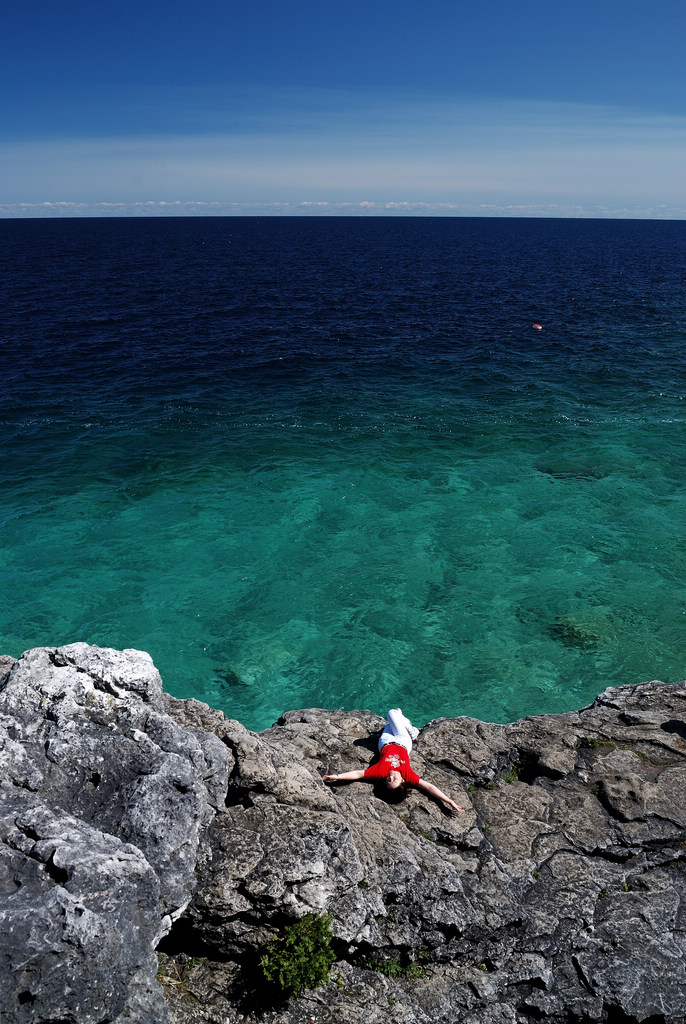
(422, 155)
(340, 209)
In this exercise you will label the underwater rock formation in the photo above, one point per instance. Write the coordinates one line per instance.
(132, 820)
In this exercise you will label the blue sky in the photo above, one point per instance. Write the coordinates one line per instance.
(529, 108)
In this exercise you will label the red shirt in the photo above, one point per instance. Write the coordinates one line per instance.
(394, 758)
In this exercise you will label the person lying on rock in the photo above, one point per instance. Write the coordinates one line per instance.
(395, 746)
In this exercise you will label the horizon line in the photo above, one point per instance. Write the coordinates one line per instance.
(312, 208)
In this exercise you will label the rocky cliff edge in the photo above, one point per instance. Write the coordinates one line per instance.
(151, 848)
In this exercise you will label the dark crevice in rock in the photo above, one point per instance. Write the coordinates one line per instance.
(528, 768)
(450, 931)
(185, 939)
(534, 1012)
(608, 806)
(238, 796)
(612, 854)
(453, 845)
(104, 686)
(58, 875)
(668, 845)
(28, 830)
(24, 784)
(237, 793)
(613, 1015)
(528, 984)
(675, 725)
(584, 981)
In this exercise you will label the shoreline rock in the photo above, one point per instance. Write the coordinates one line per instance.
(133, 820)
(104, 802)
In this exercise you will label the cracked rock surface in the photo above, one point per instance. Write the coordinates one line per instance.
(104, 801)
(131, 820)
(559, 896)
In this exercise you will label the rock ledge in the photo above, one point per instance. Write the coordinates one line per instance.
(132, 821)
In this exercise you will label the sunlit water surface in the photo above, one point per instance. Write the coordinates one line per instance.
(333, 463)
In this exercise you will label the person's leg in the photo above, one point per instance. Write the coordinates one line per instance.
(396, 721)
(401, 722)
(398, 729)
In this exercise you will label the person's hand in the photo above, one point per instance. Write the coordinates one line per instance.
(454, 806)
(329, 778)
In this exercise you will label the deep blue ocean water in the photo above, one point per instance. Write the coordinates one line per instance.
(331, 462)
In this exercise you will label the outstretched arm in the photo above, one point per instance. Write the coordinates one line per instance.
(345, 776)
(429, 787)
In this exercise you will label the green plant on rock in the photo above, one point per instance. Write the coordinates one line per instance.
(415, 970)
(302, 957)
(393, 967)
(592, 742)
(390, 967)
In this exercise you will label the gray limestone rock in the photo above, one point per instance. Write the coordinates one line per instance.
(104, 802)
(559, 895)
(133, 821)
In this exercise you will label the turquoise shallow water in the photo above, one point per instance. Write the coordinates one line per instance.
(494, 531)
(507, 575)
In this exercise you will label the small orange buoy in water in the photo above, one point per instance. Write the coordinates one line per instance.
(537, 327)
